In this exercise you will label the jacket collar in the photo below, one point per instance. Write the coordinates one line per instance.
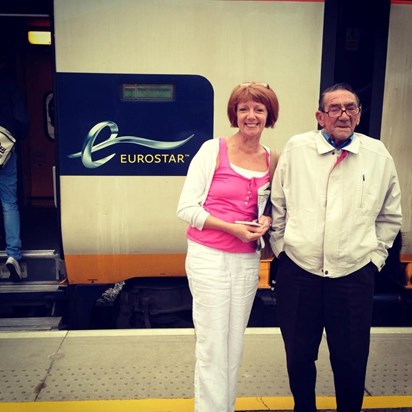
(323, 146)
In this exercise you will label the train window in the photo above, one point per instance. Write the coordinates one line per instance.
(148, 92)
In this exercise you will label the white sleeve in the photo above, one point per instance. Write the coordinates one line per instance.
(388, 222)
(197, 184)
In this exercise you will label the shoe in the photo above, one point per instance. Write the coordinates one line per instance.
(14, 269)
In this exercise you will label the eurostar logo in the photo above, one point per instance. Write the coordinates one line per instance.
(89, 146)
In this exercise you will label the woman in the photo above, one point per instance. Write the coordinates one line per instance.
(222, 262)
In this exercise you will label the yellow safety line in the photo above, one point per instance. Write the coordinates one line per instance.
(389, 402)
(186, 405)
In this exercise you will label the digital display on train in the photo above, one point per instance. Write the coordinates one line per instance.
(147, 92)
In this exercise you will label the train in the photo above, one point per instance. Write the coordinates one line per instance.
(122, 94)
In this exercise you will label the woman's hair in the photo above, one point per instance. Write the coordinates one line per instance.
(258, 92)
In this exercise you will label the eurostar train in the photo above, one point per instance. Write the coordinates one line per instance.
(122, 94)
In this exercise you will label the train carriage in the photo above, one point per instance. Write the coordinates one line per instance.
(124, 94)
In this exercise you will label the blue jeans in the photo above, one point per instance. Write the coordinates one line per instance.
(11, 215)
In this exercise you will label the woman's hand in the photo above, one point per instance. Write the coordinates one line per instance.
(266, 222)
(247, 233)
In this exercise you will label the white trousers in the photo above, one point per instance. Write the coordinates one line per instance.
(223, 286)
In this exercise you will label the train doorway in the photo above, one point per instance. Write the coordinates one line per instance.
(30, 65)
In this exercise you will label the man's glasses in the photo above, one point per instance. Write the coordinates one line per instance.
(338, 111)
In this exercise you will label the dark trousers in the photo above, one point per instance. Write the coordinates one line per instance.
(307, 304)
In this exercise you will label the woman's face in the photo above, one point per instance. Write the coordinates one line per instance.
(251, 118)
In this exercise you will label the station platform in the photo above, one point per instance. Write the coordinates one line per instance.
(145, 370)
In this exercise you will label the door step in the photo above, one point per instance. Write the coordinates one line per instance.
(30, 324)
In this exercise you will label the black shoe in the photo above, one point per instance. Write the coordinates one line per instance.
(14, 269)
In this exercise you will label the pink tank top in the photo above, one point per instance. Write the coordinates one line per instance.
(231, 197)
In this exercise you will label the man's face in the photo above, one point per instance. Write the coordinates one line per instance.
(338, 124)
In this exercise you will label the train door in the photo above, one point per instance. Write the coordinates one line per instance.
(32, 67)
(30, 63)
(396, 124)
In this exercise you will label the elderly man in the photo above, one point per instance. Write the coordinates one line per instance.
(336, 209)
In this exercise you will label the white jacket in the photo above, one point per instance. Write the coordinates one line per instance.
(197, 184)
(332, 221)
